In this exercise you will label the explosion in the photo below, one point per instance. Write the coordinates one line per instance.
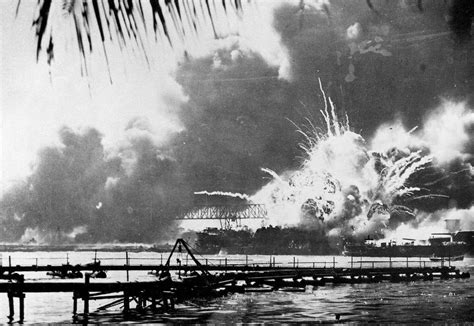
(349, 188)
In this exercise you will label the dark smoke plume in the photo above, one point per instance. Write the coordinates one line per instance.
(377, 65)
(79, 185)
(236, 121)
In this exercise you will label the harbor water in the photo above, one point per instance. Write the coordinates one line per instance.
(419, 302)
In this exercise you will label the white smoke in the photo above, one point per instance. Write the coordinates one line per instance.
(353, 31)
(38, 236)
(427, 223)
(445, 132)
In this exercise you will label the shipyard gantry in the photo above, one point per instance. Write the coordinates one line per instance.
(226, 214)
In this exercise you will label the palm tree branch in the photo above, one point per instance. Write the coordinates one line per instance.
(121, 18)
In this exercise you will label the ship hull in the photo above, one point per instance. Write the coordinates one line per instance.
(406, 251)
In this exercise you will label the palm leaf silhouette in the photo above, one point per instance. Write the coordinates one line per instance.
(125, 21)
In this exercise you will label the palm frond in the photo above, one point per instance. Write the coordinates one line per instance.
(125, 21)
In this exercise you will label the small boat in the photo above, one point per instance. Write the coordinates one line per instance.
(65, 273)
(454, 258)
(97, 271)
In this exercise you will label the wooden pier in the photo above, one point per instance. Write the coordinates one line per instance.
(176, 283)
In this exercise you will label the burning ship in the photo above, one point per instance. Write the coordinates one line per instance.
(447, 244)
(453, 245)
(348, 187)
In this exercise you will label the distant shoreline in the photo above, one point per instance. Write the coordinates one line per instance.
(85, 247)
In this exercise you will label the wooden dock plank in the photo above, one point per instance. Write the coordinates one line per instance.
(268, 274)
(216, 268)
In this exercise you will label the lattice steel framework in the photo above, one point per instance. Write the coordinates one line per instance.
(226, 214)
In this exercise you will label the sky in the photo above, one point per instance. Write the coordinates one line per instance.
(132, 140)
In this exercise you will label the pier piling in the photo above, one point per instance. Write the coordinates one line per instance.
(11, 307)
(85, 294)
(21, 297)
(126, 302)
(74, 303)
(16, 292)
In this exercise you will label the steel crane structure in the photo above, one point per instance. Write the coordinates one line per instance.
(226, 214)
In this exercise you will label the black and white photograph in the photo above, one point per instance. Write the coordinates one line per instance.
(236, 161)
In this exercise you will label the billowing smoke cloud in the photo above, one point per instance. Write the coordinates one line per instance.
(427, 223)
(236, 121)
(79, 192)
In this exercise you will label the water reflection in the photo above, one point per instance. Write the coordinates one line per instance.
(419, 302)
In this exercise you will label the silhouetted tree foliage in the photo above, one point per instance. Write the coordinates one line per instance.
(124, 21)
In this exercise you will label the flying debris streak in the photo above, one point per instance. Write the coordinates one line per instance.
(223, 193)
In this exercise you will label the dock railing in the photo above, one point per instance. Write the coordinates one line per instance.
(256, 261)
